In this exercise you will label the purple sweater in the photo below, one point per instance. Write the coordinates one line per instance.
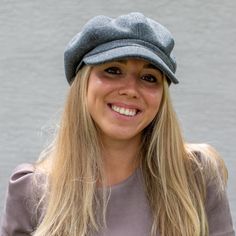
(128, 211)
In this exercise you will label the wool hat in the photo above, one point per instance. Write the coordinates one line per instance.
(104, 39)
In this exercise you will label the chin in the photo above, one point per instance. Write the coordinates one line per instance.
(122, 136)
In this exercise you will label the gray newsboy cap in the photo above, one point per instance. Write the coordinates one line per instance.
(104, 39)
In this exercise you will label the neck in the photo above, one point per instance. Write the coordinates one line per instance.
(120, 157)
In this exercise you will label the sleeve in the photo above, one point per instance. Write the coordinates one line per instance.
(17, 219)
(218, 213)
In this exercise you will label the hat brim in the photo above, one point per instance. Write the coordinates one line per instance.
(130, 51)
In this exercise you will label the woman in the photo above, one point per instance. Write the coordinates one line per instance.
(119, 164)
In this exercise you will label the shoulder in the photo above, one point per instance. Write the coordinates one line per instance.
(25, 181)
(210, 164)
(22, 197)
(21, 179)
(214, 172)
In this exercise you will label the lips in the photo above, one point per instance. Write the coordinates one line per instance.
(126, 111)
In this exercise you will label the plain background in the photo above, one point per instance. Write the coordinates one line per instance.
(33, 35)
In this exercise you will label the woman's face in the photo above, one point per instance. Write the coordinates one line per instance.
(124, 97)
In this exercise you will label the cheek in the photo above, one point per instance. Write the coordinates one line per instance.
(94, 87)
(99, 86)
(155, 103)
(155, 98)
(97, 93)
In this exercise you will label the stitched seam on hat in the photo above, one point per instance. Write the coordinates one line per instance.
(130, 42)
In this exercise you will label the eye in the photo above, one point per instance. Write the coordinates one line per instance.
(149, 78)
(113, 70)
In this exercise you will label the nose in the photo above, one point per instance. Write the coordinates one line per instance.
(129, 87)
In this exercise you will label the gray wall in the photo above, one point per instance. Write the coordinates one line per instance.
(33, 35)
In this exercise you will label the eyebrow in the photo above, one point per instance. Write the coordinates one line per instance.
(150, 66)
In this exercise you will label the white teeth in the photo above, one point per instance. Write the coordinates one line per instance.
(124, 111)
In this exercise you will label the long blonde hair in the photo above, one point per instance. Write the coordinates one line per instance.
(175, 173)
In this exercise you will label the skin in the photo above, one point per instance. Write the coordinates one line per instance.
(130, 84)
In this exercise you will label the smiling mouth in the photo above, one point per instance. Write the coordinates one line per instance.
(124, 111)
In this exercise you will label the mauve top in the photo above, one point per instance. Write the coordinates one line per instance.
(128, 211)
